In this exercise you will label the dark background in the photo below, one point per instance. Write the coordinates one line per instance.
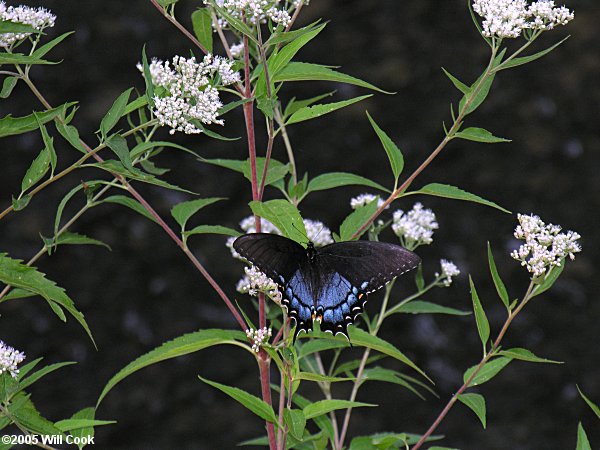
(145, 291)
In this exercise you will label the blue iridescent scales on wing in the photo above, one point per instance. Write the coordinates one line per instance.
(328, 284)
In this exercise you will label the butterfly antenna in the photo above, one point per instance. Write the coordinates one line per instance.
(303, 233)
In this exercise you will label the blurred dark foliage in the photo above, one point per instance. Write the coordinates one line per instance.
(145, 292)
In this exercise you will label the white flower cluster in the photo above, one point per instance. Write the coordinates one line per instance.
(192, 94)
(255, 281)
(38, 18)
(317, 233)
(10, 359)
(364, 199)
(237, 50)
(449, 270)
(508, 18)
(545, 246)
(255, 11)
(416, 226)
(259, 337)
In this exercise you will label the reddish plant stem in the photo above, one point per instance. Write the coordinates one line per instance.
(484, 360)
(134, 193)
(264, 365)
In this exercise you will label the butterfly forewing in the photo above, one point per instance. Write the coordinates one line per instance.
(276, 256)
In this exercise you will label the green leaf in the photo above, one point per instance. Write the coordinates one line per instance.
(184, 210)
(317, 377)
(202, 23)
(284, 216)
(253, 403)
(448, 191)
(235, 23)
(17, 293)
(312, 112)
(525, 355)
(182, 345)
(136, 104)
(527, 59)
(7, 26)
(282, 37)
(423, 307)
(10, 126)
(276, 171)
(212, 229)
(479, 135)
(591, 404)
(37, 170)
(299, 71)
(147, 78)
(481, 95)
(487, 372)
(71, 135)
(24, 412)
(296, 422)
(16, 274)
(477, 404)
(131, 204)
(78, 424)
(457, 83)
(114, 113)
(46, 48)
(25, 382)
(582, 440)
(117, 168)
(548, 280)
(118, 145)
(361, 338)
(49, 146)
(357, 219)
(87, 432)
(337, 179)
(295, 105)
(61, 206)
(70, 238)
(19, 58)
(483, 326)
(19, 204)
(500, 288)
(325, 406)
(319, 345)
(8, 85)
(146, 146)
(394, 153)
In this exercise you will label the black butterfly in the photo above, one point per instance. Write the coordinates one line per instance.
(328, 284)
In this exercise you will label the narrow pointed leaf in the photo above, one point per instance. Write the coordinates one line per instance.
(479, 135)
(182, 345)
(583, 442)
(71, 135)
(591, 404)
(212, 229)
(325, 406)
(500, 288)
(114, 113)
(549, 279)
(477, 404)
(481, 95)
(312, 112)
(393, 152)
(457, 83)
(448, 191)
(338, 179)
(527, 59)
(523, 354)
(131, 204)
(86, 432)
(10, 126)
(46, 48)
(183, 211)
(37, 170)
(8, 85)
(483, 326)
(253, 403)
(423, 307)
(296, 422)
(488, 371)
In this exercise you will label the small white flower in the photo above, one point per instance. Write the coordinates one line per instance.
(256, 281)
(448, 270)
(364, 199)
(192, 94)
(415, 227)
(38, 18)
(249, 226)
(259, 337)
(317, 233)
(508, 18)
(545, 246)
(10, 359)
(255, 11)
(237, 50)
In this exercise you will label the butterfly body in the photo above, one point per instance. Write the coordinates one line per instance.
(329, 284)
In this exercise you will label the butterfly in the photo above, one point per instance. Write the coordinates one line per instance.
(329, 284)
